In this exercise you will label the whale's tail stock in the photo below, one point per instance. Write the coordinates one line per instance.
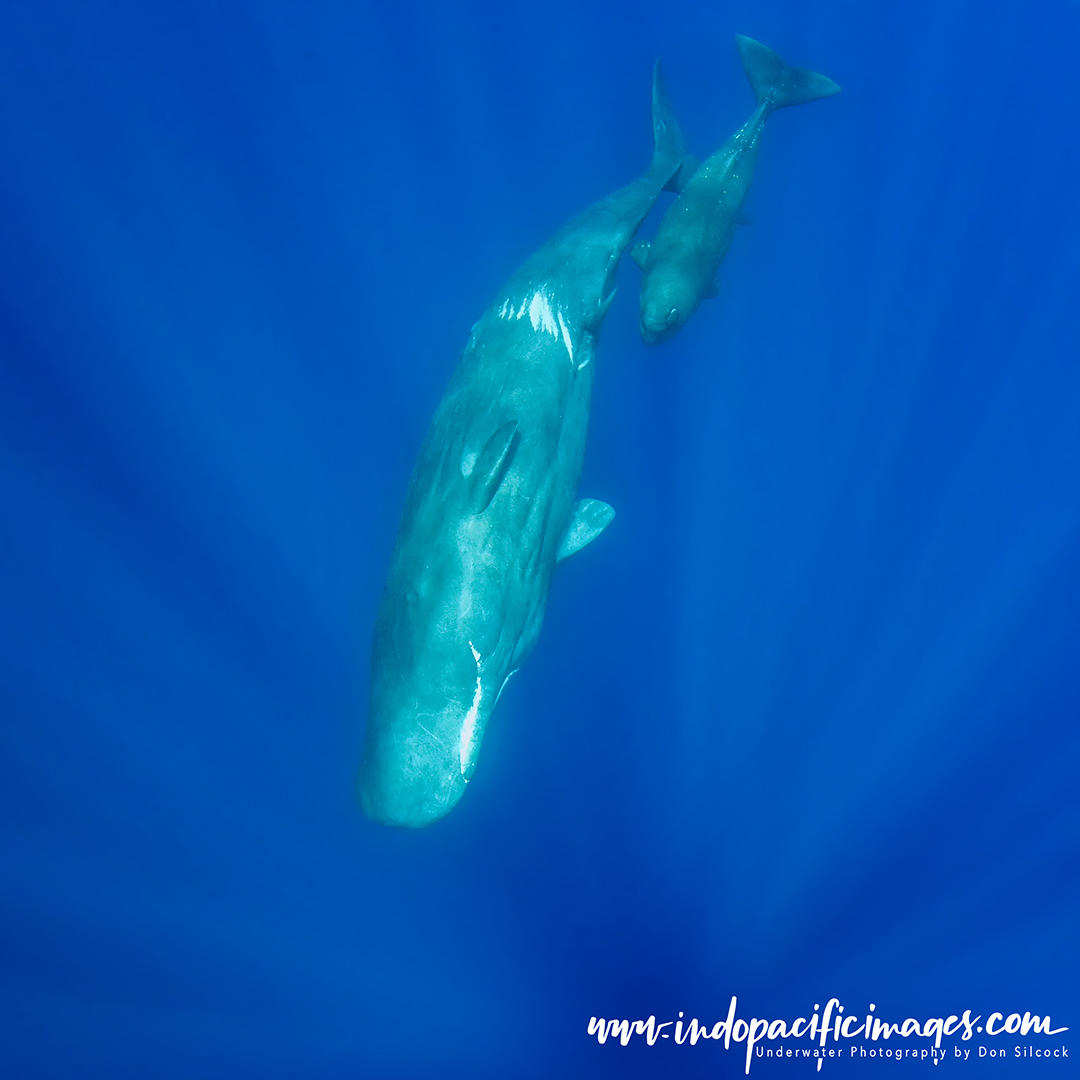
(777, 85)
(670, 162)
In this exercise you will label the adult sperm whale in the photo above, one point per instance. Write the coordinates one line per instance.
(490, 508)
(679, 267)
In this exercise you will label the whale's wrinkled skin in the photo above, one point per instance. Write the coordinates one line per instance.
(491, 507)
(679, 267)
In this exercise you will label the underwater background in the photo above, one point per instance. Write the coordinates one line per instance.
(802, 723)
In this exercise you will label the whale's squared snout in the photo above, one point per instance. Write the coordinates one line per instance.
(408, 805)
(413, 774)
(658, 325)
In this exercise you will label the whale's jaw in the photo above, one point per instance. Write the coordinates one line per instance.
(657, 328)
(410, 782)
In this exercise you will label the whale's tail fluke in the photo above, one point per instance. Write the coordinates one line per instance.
(670, 162)
(775, 84)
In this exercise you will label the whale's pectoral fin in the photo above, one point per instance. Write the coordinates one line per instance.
(640, 253)
(491, 466)
(588, 519)
(594, 318)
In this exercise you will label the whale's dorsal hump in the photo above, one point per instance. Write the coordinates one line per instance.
(491, 466)
(588, 519)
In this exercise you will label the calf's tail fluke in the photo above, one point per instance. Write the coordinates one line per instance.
(777, 85)
(671, 164)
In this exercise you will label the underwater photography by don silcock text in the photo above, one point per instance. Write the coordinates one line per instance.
(539, 540)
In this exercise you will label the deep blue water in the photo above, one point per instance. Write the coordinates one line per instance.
(802, 723)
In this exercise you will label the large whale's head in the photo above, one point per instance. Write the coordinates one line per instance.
(437, 667)
(668, 299)
(415, 769)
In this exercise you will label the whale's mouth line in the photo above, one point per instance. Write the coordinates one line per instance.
(468, 727)
(655, 330)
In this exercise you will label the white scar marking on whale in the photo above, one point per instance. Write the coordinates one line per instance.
(541, 316)
(503, 687)
(566, 337)
(468, 728)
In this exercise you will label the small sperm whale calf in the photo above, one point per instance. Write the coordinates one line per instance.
(679, 267)
(491, 506)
